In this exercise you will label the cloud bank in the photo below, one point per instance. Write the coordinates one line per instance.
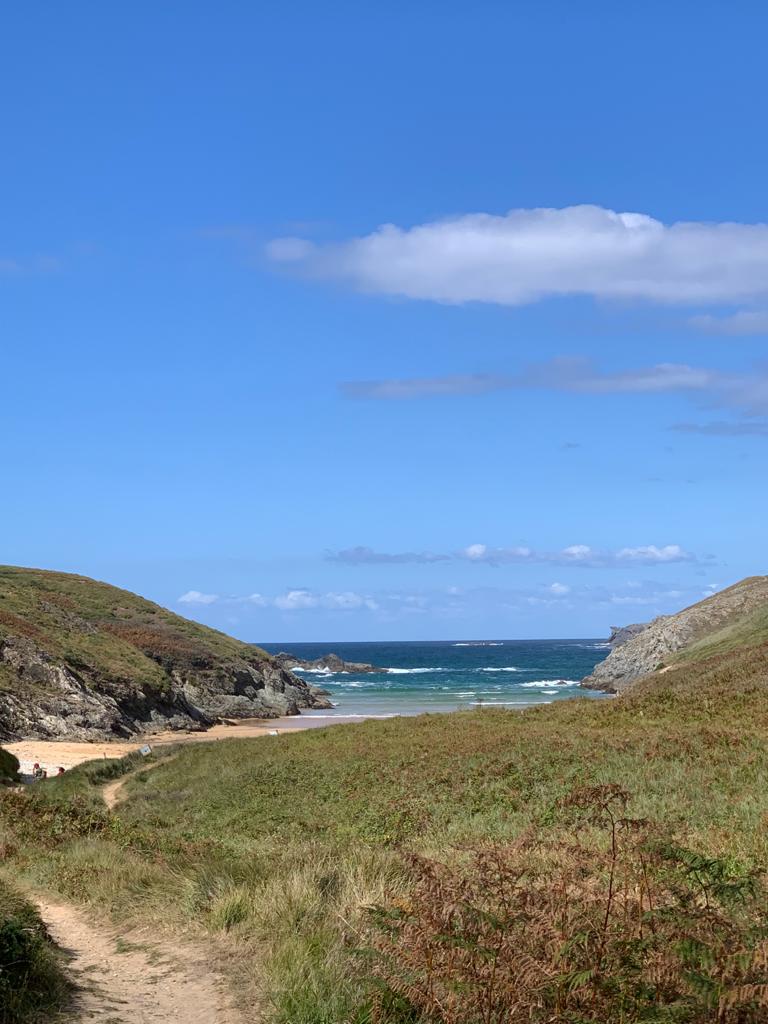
(746, 392)
(531, 254)
(482, 554)
(575, 375)
(723, 428)
(745, 322)
(465, 604)
(292, 600)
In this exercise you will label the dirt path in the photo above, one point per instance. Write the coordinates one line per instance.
(135, 979)
(111, 793)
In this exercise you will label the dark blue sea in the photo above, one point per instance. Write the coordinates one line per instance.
(448, 675)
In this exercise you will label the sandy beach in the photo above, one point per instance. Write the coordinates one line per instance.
(52, 754)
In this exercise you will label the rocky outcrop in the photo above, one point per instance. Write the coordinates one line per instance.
(53, 700)
(328, 663)
(620, 634)
(650, 648)
(81, 660)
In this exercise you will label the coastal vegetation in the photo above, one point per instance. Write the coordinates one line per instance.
(585, 861)
(9, 767)
(87, 660)
(32, 981)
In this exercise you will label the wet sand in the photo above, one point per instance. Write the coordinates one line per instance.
(52, 754)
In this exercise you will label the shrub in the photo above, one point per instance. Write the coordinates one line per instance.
(40, 822)
(610, 922)
(9, 767)
(31, 979)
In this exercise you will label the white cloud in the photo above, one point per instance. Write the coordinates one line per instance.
(559, 589)
(578, 552)
(744, 322)
(348, 600)
(293, 600)
(483, 554)
(530, 254)
(650, 554)
(196, 597)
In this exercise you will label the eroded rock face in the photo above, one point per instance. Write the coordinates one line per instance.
(50, 699)
(649, 649)
(620, 634)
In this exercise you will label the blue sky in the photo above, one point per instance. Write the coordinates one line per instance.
(534, 405)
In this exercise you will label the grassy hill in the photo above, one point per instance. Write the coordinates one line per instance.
(83, 659)
(581, 862)
(734, 619)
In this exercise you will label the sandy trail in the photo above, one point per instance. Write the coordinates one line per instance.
(135, 979)
(112, 792)
(67, 753)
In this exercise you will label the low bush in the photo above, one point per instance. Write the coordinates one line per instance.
(31, 979)
(611, 923)
(9, 767)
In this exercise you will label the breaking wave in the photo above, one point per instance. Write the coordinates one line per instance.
(551, 682)
(415, 671)
(479, 643)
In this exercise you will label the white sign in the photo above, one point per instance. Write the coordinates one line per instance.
(144, 751)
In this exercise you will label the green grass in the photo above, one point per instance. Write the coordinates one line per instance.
(746, 632)
(116, 642)
(32, 982)
(272, 849)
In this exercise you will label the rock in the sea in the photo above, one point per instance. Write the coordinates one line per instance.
(83, 660)
(328, 663)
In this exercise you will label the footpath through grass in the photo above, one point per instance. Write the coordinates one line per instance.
(278, 848)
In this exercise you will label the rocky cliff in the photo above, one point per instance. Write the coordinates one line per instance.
(659, 645)
(85, 660)
(620, 634)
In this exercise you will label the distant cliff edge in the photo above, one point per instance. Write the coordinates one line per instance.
(734, 617)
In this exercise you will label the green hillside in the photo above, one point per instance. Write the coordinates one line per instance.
(112, 631)
(588, 861)
(731, 620)
(85, 659)
(747, 633)
(277, 848)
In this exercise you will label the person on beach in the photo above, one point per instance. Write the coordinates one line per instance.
(60, 771)
(38, 773)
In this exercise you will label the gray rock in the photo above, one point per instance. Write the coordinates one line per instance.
(328, 663)
(620, 634)
(52, 700)
(650, 648)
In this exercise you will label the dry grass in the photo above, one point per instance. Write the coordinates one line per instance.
(613, 923)
(463, 826)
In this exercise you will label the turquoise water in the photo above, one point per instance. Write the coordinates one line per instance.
(447, 675)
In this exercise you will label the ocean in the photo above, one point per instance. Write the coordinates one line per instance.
(448, 675)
